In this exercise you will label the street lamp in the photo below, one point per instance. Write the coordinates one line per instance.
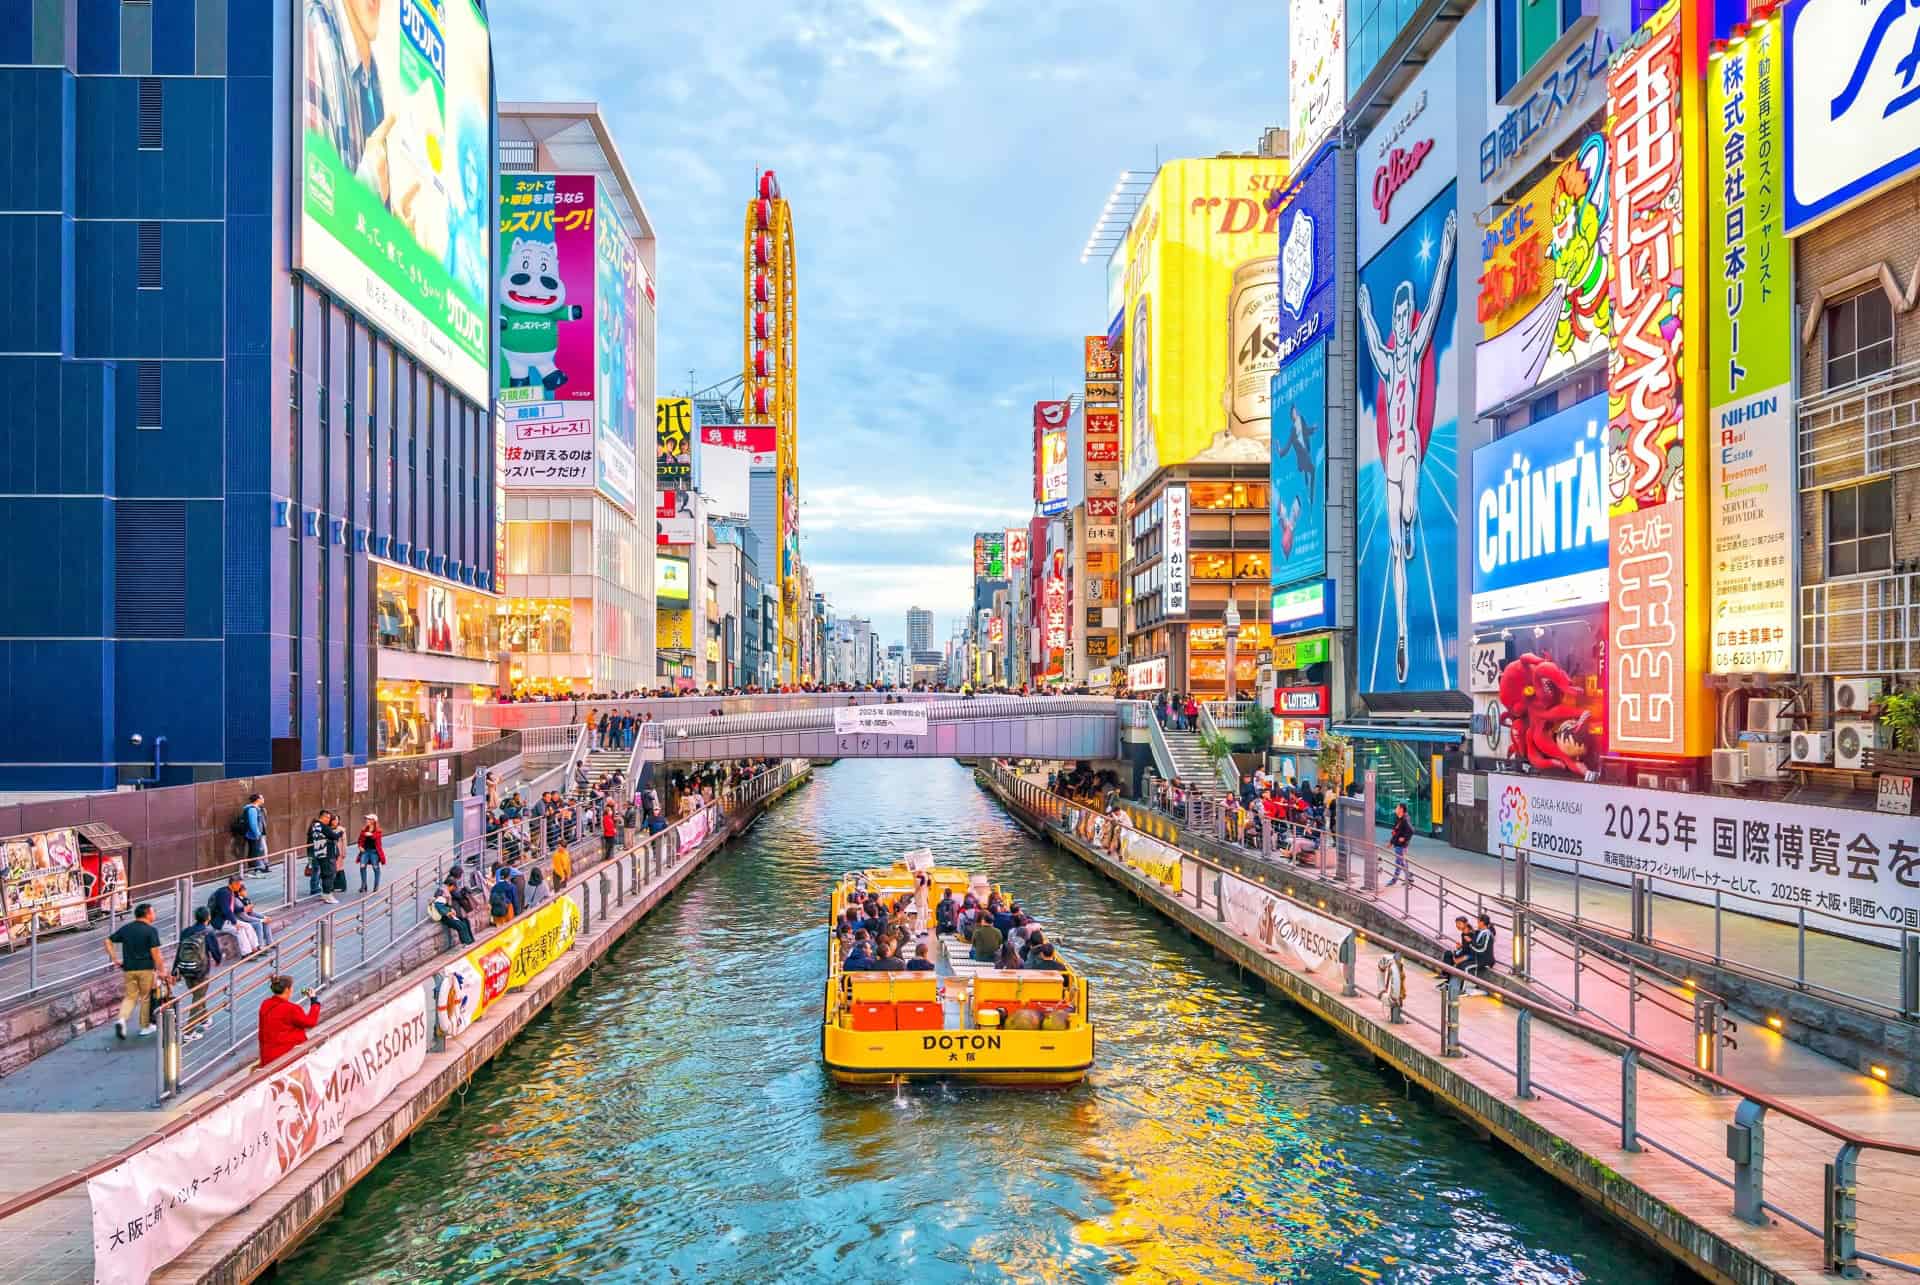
(1232, 624)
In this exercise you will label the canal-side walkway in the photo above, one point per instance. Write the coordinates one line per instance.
(1584, 1097)
(50, 1239)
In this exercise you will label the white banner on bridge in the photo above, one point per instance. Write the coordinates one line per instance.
(150, 1208)
(1275, 924)
(895, 720)
(1860, 867)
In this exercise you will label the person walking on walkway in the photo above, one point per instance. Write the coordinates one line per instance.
(1401, 836)
(140, 960)
(283, 1023)
(1190, 713)
(195, 956)
(373, 851)
(253, 829)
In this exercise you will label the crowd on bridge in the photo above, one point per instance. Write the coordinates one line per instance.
(527, 696)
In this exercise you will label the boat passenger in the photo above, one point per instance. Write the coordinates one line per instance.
(946, 912)
(986, 941)
(1044, 958)
(859, 959)
(920, 963)
(969, 916)
(1003, 919)
(1035, 940)
(890, 961)
(1009, 957)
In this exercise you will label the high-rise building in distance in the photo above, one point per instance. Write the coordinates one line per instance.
(919, 629)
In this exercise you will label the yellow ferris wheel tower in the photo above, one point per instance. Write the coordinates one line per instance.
(767, 357)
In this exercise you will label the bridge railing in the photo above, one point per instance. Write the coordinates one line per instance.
(820, 718)
(1763, 1135)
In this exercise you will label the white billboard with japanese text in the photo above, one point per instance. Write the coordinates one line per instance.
(1861, 869)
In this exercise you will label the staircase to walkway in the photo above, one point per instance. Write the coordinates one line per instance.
(1190, 762)
(601, 762)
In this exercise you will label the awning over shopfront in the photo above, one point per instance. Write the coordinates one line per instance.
(1401, 732)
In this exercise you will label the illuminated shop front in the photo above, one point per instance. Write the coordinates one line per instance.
(437, 655)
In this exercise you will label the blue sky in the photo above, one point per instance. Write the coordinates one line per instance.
(945, 162)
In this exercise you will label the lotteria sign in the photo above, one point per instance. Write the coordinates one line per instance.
(1539, 511)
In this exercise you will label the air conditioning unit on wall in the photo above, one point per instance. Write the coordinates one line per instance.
(1730, 767)
(1854, 695)
(1766, 760)
(1813, 747)
(1763, 716)
(1852, 738)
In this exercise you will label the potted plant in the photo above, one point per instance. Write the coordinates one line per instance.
(1334, 757)
(1900, 711)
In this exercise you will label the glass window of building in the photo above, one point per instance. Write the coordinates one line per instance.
(1371, 27)
(1859, 337)
(1860, 528)
(1228, 495)
(536, 625)
(396, 623)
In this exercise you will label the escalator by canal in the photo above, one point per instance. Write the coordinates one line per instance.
(669, 1119)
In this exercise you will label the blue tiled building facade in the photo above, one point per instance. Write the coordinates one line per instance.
(203, 451)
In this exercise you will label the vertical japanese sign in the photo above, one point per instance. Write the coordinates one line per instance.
(1050, 480)
(1646, 388)
(1751, 485)
(1175, 558)
(674, 432)
(1101, 445)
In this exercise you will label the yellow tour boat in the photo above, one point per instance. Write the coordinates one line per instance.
(963, 1020)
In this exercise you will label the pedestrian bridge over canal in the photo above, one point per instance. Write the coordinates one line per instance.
(1041, 727)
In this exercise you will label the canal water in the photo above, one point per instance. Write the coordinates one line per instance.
(669, 1120)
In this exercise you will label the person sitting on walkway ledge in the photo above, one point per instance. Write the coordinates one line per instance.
(283, 1023)
(444, 912)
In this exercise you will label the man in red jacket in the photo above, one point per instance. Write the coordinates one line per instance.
(283, 1023)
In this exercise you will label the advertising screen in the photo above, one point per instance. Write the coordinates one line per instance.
(1539, 516)
(547, 282)
(1541, 699)
(546, 445)
(758, 440)
(1309, 306)
(396, 163)
(1051, 481)
(1646, 383)
(1852, 119)
(671, 581)
(1316, 71)
(1752, 491)
(674, 431)
(617, 290)
(990, 556)
(1408, 457)
(1202, 311)
(1297, 504)
(1545, 278)
(725, 479)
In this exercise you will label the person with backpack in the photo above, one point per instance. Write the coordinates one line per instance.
(373, 852)
(250, 827)
(503, 899)
(195, 957)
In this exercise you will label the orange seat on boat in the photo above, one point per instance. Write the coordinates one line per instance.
(920, 1017)
(869, 1016)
